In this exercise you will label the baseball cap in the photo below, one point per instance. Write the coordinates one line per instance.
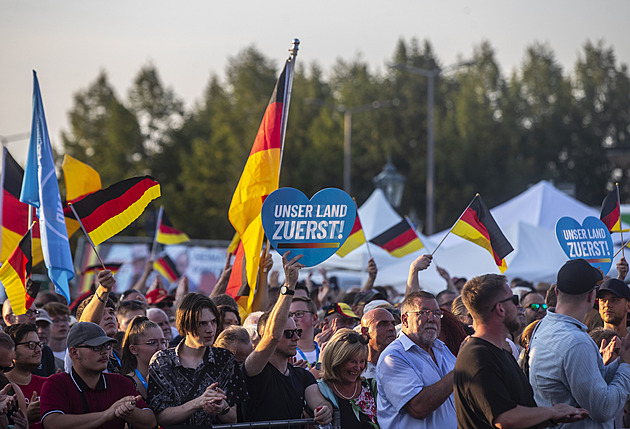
(367, 296)
(615, 286)
(87, 333)
(578, 276)
(158, 295)
(43, 316)
(341, 308)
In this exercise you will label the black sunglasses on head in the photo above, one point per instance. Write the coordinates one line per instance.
(164, 304)
(288, 333)
(353, 338)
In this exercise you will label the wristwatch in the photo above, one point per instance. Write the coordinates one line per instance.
(286, 291)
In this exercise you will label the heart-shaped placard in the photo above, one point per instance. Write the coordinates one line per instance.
(590, 241)
(315, 228)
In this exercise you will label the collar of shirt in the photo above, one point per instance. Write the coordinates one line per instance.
(208, 357)
(564, 319)
(407, 343)
(82, 385)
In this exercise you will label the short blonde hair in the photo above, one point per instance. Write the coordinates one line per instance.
(343, 346)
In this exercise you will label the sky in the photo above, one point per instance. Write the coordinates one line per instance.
(69, 42)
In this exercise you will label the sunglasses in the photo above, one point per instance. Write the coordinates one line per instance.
(354, 338)
(514, 299)
(97, 349)
(537, 307)
(32, 344)
(288, 333)
(164, 304)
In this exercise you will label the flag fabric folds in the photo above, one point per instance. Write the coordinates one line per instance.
(167, 268)
(611, 214)
(106, 212)
(40, 189)
(15, 272)
(14, 212)
(399, 240)
(80, 180)
(354, 240)
(260, 177)
(167, 234)
(477, 225)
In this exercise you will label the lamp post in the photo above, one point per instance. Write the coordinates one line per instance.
(347, 130)
(430, 75)
(391, 183)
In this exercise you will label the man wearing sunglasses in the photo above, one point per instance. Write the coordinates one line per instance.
(87, 397)
(277, 389)
(534, 305)
(565, 363)
(490, 388)
(415, 372)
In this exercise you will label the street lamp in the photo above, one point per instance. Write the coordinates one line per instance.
(347, 129)
(391, 183)
(430, 75)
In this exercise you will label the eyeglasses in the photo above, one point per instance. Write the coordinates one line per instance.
(154, 343)
(32, 344)
(537, 307)
(61, 320)
(354, 338)
(422, 313)
(97, 349)
(514, 299)
(299, 314)
(288, 333)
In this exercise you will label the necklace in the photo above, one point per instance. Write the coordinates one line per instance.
(344, 397)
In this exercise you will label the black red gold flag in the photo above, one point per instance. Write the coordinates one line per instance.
(15, 272)
(167, 268)
(611, 214)
(399, 240)
(167, 234)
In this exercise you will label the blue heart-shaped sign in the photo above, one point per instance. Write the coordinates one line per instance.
(315, 228)
(590, 241)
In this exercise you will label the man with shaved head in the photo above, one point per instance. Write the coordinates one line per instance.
(378, 327)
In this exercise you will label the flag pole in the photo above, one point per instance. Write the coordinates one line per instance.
(620, 227)
(76, 215)
(287, 98)
(449, 231)
(157, 231)
(367, 244)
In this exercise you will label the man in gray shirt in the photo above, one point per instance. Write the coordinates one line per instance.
(565, 364)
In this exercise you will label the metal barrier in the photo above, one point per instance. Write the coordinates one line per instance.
(335, 424)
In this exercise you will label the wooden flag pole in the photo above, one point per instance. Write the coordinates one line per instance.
(76, 215)
(449, 231)
(157, 231)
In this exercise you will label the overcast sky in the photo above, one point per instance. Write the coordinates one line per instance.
(69, 41)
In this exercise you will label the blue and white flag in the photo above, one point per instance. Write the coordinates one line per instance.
(40, 189)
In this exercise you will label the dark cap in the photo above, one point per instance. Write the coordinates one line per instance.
(616, 287)
(577, 277)
(364, 297)
(87, 333)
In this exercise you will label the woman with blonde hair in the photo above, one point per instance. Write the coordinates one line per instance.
(343, 361)
(143, 339)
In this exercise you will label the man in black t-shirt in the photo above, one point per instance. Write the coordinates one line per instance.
(278, 390)
(490, 389)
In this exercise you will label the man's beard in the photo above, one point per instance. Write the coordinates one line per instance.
(515, 324)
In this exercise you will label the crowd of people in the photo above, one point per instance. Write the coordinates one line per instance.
(482, 353)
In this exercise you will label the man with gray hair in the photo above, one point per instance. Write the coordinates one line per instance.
(415, 372)
(565, 363)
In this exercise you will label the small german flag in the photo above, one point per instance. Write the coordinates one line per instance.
(354, 240)
(15, 272)
(399, 240)
(167, 268)
(477, 225)
(611, 214)
(167, 234)
(106, 212)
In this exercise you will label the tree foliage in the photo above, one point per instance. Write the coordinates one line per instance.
(494, 134)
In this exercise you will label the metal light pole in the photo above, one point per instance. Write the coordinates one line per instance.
(430, 75)
(347, 130)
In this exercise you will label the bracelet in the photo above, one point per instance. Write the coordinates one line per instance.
(100, 297)
(225, 410)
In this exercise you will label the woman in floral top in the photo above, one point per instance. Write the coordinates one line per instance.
(343, 362)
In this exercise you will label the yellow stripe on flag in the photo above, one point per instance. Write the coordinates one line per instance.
(14, 288)
(413, 246)
(470, 233)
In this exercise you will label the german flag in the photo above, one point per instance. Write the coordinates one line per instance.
(90, 273)
(14, 273)
(107, 212)
(237, 284)
(399, 240)
(355, 239)
(167, 234)
(611, 215)
(260, 177)
(15, 213)
(80, 180)
(476, 224)
(167, 268)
